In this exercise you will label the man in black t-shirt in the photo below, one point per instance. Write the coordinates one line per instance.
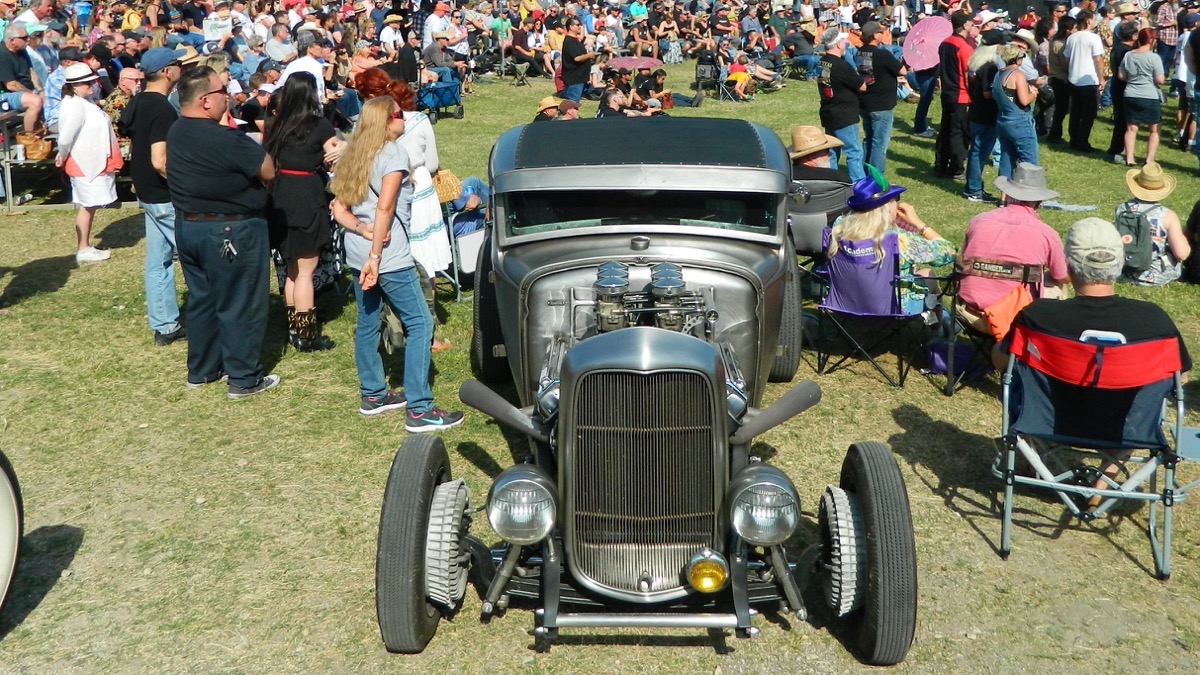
(254, 110)
(839, 86)
(881, 71)
(216, 177)
(146, 120)
(576, 61)
(16, 76)
(520, 51)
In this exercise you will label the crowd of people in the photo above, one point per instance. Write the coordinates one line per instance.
(278, 85)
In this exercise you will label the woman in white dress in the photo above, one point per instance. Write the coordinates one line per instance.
(89, 153)
(427, 234)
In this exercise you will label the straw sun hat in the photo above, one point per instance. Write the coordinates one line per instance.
(1150, 183)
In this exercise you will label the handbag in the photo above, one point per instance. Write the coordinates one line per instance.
(447, 186)
(36, 147)
(667, 102)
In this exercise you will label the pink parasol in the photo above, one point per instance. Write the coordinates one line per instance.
(921, 45)
(640, 62)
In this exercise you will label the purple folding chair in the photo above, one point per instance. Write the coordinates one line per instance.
(864, 291)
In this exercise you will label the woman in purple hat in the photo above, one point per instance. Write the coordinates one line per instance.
(875, 212)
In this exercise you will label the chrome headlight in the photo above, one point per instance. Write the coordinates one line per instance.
(764, 508)
(522, 504)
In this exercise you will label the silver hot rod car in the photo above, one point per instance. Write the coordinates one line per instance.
(639, 288)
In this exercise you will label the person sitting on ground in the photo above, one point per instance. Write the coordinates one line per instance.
(654, 88)
(990, 287)
(567, 110)
(1150, 185)
(614, 104)
(547, 109)
(875, 212)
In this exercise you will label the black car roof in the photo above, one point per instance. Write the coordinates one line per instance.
(671, 141)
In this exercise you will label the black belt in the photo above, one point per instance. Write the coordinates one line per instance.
(218, 216)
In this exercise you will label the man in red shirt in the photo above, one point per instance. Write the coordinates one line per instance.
(954, 138)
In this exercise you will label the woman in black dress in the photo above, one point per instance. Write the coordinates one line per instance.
(302, 142)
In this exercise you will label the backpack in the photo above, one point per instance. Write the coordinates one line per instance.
(1135, 230)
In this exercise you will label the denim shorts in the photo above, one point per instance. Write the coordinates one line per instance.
(13, 99)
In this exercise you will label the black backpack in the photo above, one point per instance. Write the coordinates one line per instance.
(1135, 230)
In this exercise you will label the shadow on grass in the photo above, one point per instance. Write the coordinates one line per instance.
(45, 275)
(956, 466)
(45, 554)
(123, 233)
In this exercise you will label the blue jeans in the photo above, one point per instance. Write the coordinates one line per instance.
(983, 139)
(925, 83)
(810, 64)
(349, 104)
(444, 74)
(1106, 94)
(402, 289)
(1018, 143)
(162, 303)
(851, 150)
(877, 132)
(573, 92)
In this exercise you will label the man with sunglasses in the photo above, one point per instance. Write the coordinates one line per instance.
(216, 176)
(16, 74)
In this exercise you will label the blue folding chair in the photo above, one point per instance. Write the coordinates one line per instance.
(1095, 398)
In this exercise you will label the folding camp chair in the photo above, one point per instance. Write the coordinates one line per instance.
(863, 291)
(706, 75)
(1095, 398)
(464, 251)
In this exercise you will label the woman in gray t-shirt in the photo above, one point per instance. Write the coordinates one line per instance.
(372, 198)
(1142, 71)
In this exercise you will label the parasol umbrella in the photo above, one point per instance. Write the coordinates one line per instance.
(640, 62)
(921, 45)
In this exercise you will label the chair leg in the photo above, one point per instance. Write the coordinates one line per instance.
(1010, 465)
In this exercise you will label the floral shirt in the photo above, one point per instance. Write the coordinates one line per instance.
(917, 250)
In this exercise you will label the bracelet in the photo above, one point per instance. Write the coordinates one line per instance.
(374, 256)
(921, 232)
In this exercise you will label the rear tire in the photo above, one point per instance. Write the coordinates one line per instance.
(407, 620)
(885, 625)
(12, 526)
(433, 116)
(459, 112)
(486, 334)
(787, 362)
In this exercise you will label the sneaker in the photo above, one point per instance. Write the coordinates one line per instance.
(982, 198)
(928, 133)
(91, 254)
(434, 419)
(268, 382)
(164, 339)
(196, 385)
(375, 405)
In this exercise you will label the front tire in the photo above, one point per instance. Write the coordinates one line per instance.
(486, 334)
(12, 525)
(787, 362)
(885, 625)
(407, 620)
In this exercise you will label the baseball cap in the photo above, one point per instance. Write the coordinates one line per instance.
(960, 19)
(1094, 243)
(306, 39)
(870, 29)
(158, 58)
(71, 54)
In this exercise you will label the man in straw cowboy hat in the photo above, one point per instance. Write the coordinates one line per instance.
(547, 109)
(810, 155)
(1005, 245)
(1169, 246)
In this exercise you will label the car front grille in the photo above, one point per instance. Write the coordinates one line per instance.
(641, 477)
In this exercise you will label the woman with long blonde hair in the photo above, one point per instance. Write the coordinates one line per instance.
(372, 201)
(876, 212)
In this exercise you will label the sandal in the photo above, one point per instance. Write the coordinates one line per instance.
(440, 346)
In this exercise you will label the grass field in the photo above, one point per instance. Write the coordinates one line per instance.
(171, 530)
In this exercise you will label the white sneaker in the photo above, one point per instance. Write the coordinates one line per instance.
(928, 133)
(92, 254)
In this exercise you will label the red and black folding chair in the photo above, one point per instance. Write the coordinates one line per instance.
(1095, 398)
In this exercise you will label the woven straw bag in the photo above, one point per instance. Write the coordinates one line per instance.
(447, 185)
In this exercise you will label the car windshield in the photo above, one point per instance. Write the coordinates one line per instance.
(545, 211)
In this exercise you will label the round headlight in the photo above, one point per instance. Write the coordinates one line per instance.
(764, 508)
(521, 505)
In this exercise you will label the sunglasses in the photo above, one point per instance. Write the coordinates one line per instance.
(216, 91)
(397, 115)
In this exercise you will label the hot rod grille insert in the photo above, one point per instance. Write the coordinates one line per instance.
(641, 477)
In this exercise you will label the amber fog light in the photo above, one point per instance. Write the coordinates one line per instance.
(707, 571)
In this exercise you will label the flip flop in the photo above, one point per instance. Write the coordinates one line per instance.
(440, 346)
